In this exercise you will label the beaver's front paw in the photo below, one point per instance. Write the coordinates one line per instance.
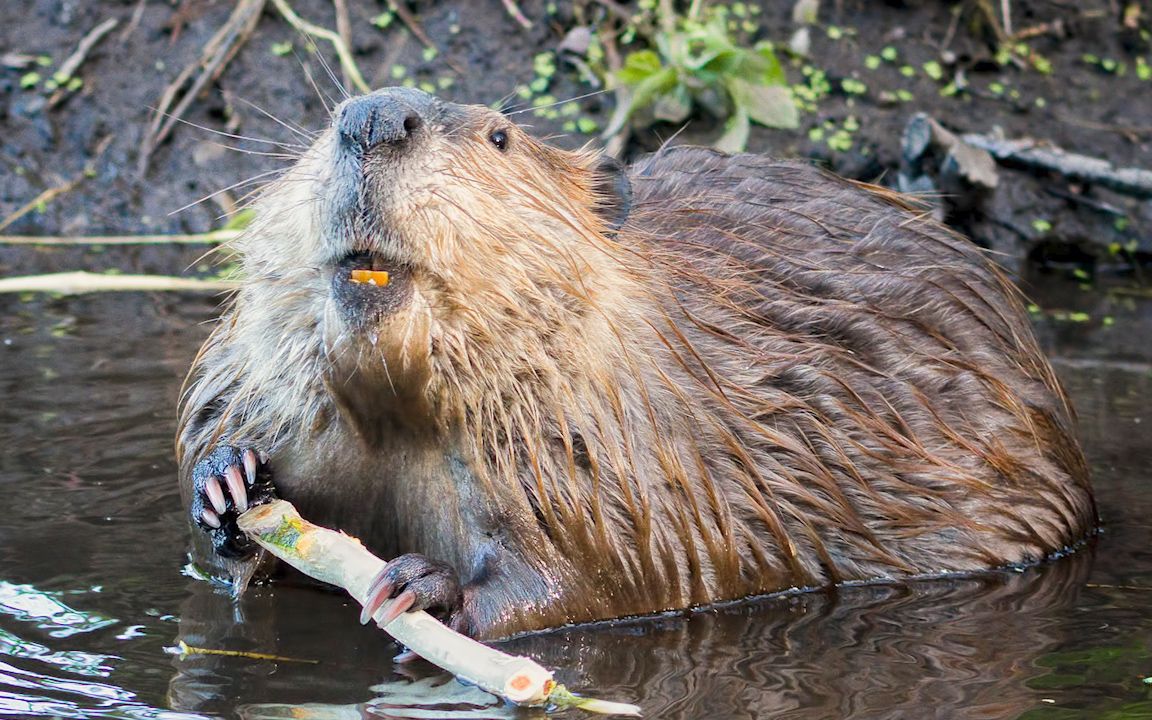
(224, 485)
(413, 582)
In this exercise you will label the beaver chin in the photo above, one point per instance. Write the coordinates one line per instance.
(362, 291)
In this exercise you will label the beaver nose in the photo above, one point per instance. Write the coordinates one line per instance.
(378, 119)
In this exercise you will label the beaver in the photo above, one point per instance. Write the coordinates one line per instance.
(589, 391)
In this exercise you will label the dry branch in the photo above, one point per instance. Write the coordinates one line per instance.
(53, 192)
(414, 27)
(341, 560)
(40, 200)
(347, 64)
(213, 59)
(216, 236)
(517, 14)
(1042, 156)
(70, 66)
(73, 283)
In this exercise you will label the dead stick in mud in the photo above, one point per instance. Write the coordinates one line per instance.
(615, 136)
(213, 59)
(339, 559)
(517, 14)
(343, 52)
(52, 193)
(414, 27)
(41, 200)
(208, 238)
(69, 67)
(75, 283)
(1041, 156)
(344, 30)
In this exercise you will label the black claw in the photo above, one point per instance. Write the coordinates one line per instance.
(434, 586)
(227, 540)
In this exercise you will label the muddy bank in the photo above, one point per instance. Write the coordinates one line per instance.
(1078, 77)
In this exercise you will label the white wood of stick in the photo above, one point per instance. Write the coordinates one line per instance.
(339, 559)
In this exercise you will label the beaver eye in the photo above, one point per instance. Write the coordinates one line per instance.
(499, 139)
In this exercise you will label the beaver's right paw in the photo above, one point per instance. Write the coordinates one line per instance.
(413, 582)
(224, 485)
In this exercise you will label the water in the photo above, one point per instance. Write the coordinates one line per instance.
(93, 601)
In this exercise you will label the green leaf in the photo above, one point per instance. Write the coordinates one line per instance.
(652, 86)
(638, 66)
(724, 62)
(769, 105)
(772, 72)
(643, 94)
(735, 137)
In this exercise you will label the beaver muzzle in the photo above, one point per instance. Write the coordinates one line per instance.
(379, 128)
(362, 301)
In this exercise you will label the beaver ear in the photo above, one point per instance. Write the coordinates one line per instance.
(613, 191)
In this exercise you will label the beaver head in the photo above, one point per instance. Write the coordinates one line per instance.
(487, 236)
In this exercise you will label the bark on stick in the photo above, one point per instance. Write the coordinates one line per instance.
(339, 559)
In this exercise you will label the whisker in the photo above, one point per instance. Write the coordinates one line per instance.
(234, 136)
(235, 148)
(322, 96)
(233, 186)
(594, 93)
(666, 143)
(293, 128)
(328, 69)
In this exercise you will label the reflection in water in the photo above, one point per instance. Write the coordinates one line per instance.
(88, 483)
(26, 603)
(431, 697)
(79, 663)
(866, 651)
(879, 651)
(28, 689)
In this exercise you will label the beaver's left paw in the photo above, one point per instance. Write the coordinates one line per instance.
(225, 483)
(413, 582)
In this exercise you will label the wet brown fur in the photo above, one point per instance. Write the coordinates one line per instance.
(768, 378)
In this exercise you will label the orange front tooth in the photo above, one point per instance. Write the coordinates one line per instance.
(370, 277)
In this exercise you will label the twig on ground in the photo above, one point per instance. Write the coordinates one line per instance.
(1131, 132)
(341, 560)
(41, 200)
(343, 51)
(215, 56)
(615, 8)
(73, 283)
(344, 30)
(953, 23)
(53, 192)
(414, 27)
(619, 128)
(517, 14)
(133, 22)
(1055, 28)
(1041, 156)
(216, 236)
(71, 65)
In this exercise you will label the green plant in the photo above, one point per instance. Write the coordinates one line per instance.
(696, 63)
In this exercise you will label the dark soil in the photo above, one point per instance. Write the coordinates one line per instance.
(1092, 101)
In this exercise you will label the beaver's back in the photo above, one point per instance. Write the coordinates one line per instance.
(892, 352)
